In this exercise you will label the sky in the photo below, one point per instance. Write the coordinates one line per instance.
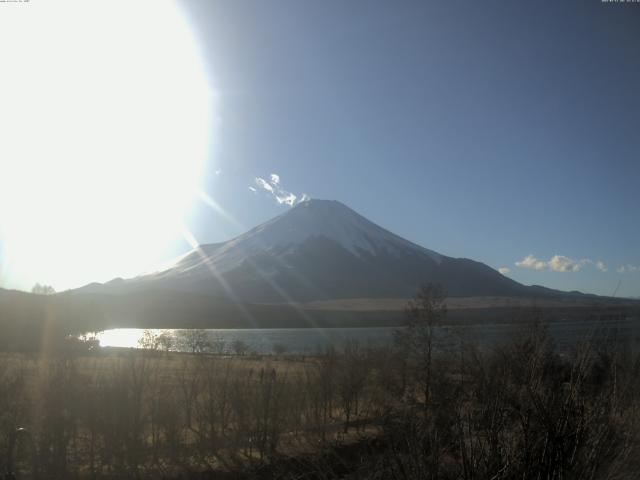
(505, 132)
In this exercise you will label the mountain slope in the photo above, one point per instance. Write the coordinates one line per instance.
(319, 250)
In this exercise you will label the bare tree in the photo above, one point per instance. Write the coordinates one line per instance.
(149, 340)
(239, 347)
(166, 341)
(42, 289)
(352, 376)
(194, 340)
(425, 313)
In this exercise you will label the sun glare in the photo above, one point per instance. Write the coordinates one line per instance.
(104, 122)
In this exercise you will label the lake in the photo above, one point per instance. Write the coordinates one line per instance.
(311, 340)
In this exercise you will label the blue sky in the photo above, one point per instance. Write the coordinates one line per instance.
(502, 131)
(491, 130)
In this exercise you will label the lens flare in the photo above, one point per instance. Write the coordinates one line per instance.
(105, 124)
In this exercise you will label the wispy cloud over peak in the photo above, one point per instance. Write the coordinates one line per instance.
(273, 187)
(504, 270)
(262, 183)
(288, 199)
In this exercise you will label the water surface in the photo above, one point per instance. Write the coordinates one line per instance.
(313, 340)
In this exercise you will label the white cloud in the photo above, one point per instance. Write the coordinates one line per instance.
(273, 188)
(559, 263)
(504, 270)
(628, 268)
(262, 183)
(287, 199)
(531, 262)
(218, 172)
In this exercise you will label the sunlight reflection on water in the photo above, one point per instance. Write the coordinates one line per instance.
(121, 337)
(312, 340)
(294, 340)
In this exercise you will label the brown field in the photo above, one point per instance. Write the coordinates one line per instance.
(455, 303)
(410, 411)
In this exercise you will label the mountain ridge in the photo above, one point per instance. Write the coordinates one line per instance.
(321, 250)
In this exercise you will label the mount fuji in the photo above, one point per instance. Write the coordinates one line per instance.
(320, 250)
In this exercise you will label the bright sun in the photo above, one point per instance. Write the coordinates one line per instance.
(104, 130)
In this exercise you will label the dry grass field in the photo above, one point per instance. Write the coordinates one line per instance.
(409, 411)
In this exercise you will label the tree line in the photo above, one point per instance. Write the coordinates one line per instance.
(414, 409)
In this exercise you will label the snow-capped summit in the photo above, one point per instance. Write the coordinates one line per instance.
(336, 221)
(318, 250)
(309, 220)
